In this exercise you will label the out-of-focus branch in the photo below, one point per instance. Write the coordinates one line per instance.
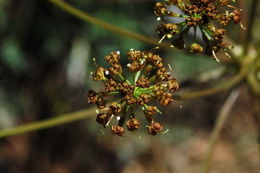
(88, 18)
(256, 100)
(251, 19)
(242, 5)
(215, 89)
(220, 122)
(52, 122)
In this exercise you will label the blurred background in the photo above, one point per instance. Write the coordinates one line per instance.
(45, 63)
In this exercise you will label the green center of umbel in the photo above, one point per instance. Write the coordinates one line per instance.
(138, 91)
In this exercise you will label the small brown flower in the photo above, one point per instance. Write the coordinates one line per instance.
(160, 9)
(143, 82)
(115, 108)
(165, 99)
(173, 85)
(115, 69)
(196, 48)
(101, 103)
(117, 130)
(236, 16)
(134, 55)
(102, 119)
(110, 85)
(150, 110)
(92, 97)
(113, 58)
(143, 99)
(132, 124)
(154, 128)
(99, 74)
(167, 29)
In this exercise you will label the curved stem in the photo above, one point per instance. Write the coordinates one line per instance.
(52, 122)
(222, 117)
(88, 18)
(250, 24)
(221, 87)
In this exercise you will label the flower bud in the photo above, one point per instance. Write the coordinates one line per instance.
(154, 128)
(117, 130)
(132, 124)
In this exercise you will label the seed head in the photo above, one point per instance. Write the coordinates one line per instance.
(197, 15)
(151, 84)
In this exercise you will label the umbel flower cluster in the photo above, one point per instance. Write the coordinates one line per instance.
(209, 16)
(151, 84)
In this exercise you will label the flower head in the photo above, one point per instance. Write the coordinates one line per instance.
(209, 16)
(151, 83)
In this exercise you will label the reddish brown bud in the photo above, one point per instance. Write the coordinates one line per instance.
(99, 74)
(102, 119)
(132, 124)
(150, 110)
(117, 130)
(113, 58)
(115, 108)
(154, 128)
(92, 97)
(143, 82)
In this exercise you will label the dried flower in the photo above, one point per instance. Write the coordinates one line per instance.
(132, 124)
(118, 130)
(151, 83)
(154, 128)
(201, 15)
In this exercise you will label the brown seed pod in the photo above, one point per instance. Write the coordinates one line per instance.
(117, 130)
(99, 74)
(196, 48)
(133, 124)
(154, 128)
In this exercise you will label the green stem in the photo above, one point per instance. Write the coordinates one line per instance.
(122, 78)
(222, 117)
(52, 122)
(136, 76)
(216, 89)
(88, 18)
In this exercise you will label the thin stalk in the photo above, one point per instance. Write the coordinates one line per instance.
(52, 122)
(220, 122)
(123, 79)
(249, 32)
(242, 5)
(136, 76)
(256, 116)
(215, 89)
(88, 18)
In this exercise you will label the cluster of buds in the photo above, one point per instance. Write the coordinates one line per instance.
(202, 15)
(151, 84)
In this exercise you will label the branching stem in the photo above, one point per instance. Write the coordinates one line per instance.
(220, 122)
